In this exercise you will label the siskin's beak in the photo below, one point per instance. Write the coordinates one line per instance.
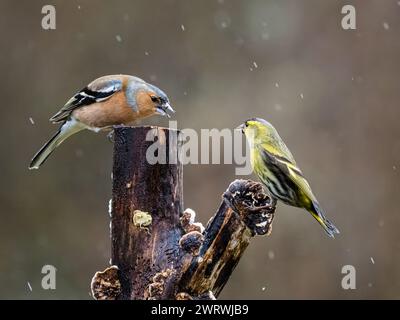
(241, 127)
(164, 108)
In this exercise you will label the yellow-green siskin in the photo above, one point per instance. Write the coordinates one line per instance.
(274, 164)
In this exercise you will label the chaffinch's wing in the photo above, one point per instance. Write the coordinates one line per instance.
(99, 90)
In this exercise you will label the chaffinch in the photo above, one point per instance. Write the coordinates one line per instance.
(106, 102)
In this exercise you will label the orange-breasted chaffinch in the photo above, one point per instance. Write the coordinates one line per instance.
(106, 102)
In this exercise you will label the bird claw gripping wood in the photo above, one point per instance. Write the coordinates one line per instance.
(111, 136)
(256, 209)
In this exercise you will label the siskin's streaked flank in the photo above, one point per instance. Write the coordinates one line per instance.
(275, 166)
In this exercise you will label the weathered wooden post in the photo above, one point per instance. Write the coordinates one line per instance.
(158, 251)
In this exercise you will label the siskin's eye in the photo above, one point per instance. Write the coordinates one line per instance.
(154, 99)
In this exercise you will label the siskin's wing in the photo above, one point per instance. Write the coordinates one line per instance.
(276, 146)
(290, 174)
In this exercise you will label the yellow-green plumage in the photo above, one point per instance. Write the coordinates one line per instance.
(274, 164)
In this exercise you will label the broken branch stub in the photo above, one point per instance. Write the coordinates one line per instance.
(244, 212)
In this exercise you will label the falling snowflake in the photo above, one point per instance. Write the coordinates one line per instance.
(255, 64)
(29, 286)
(118, 38)
(182, 27)
(386, 25)
(222, 20)
(271, 255)
(146, 53)
(263, 288)
(277, 84)
(372, 260)
(301, 96)
(31, 120)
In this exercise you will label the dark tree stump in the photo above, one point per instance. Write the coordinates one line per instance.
(158, 250)
(140, 252)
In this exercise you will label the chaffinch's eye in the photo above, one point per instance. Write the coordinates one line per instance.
(154, 99)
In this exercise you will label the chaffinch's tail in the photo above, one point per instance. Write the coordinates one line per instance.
(69, 128)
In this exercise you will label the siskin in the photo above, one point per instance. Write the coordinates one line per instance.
(275, 166)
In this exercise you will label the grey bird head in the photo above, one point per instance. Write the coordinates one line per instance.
(141, 94)
(161, 100)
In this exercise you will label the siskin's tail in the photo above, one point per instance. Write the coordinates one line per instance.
(319, 215)
(66, 130)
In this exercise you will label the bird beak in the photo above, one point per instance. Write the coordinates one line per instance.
(241, 127)
(164, 109)
(169, 107)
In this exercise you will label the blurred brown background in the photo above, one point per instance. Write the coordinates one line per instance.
(344, 133)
